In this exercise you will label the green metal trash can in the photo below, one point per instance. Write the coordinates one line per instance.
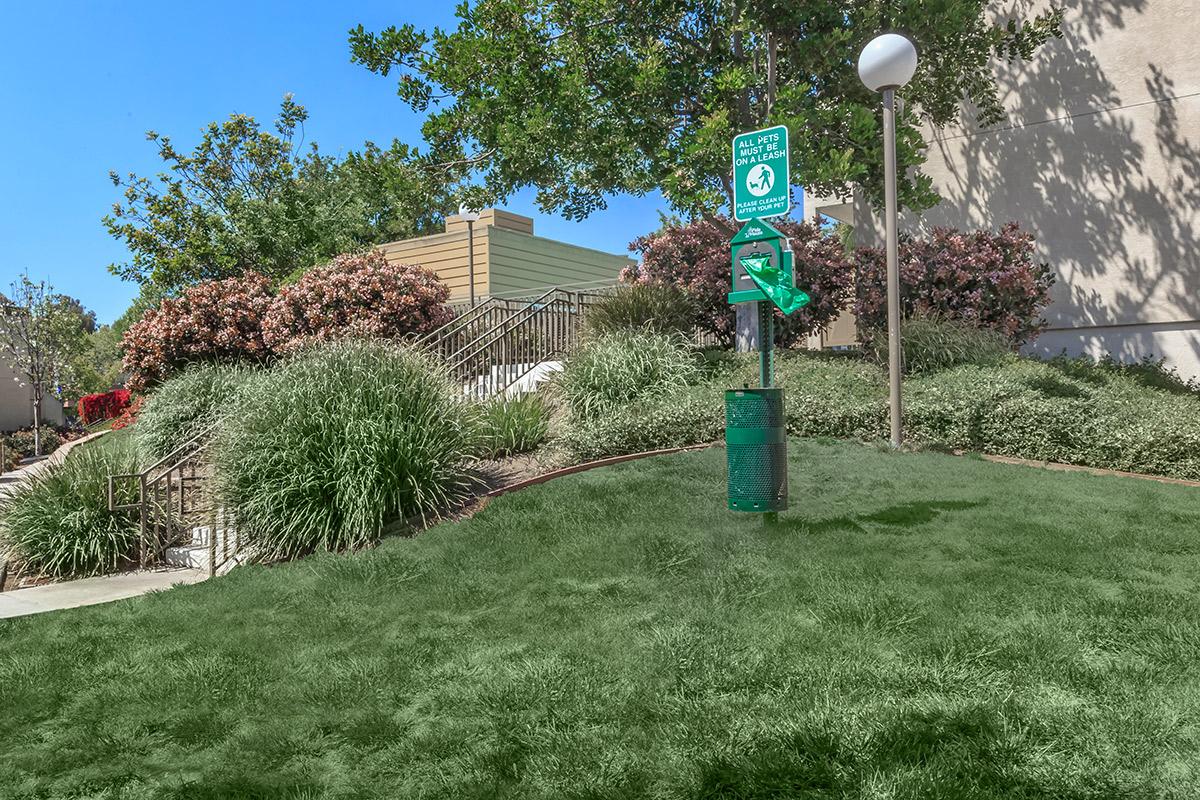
(756, 449)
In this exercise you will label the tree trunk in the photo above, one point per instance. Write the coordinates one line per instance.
(37, 423)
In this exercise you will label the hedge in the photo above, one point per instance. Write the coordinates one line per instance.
(1063, 410)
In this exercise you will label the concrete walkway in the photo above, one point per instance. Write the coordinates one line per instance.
(93, 591)
(9, 480)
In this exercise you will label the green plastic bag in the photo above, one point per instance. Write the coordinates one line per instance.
(770, 280)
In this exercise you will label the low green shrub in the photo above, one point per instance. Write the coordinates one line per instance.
(928, 344)
(186, 406)
(608, 372)
(683, 416)
(513, 425)
(20, 442)
(825, 395)
(1149, 372)
(1063, 410)
(338, 440)
(652, 306)
(57, 523)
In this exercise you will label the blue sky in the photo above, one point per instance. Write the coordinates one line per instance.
(84, 81)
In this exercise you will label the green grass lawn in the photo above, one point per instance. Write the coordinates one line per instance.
(917, 626)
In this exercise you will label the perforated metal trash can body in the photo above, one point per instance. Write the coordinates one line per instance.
(756, 449)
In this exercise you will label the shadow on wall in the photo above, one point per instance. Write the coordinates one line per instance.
(1096, 161)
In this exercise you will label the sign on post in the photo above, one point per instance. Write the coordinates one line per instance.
(761, 184)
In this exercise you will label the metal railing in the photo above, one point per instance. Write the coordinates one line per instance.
(469, 325)
(497, 360)
(176, 506)
(491, 348)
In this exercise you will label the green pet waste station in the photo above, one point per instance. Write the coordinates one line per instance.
(755, 421)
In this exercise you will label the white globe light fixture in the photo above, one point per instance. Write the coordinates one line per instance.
(470, 216)
(887, 63)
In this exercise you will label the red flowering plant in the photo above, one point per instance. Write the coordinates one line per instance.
(696, 257)
(988, 279)
(357, 295)
(103, 405)
(217, 320)
(130, 414)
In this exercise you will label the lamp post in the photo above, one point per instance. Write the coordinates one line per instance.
(470, 216)
(886, 64)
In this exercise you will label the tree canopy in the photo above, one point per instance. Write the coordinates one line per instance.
(586, 99)
(246, 199)
(42, 335)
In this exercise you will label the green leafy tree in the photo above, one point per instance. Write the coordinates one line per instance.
(42, 334)
(98, 367)
(246, 199)
(582, 100)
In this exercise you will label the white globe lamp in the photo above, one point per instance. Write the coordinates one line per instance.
(887, 62)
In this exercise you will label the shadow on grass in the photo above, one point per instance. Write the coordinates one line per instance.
(904, 515)
(964, 753)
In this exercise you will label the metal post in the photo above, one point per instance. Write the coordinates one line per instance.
(471, 259)
(893, 268)
(142, 511)
(766, 365)
(212, 543)
(747, 319)
(766, 344)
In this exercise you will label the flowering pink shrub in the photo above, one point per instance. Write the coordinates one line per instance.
(989, 279)
(357, 295)
(696, 258)
(211, 321)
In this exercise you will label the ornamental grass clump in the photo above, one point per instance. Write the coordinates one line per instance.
(186, 406)
(510, 426)
(652, 306)
(931, 343)
(613, 370)
(337, 441)
(57, 523)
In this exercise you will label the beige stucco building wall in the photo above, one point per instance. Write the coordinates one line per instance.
(16, 403)
(1100, 159)
(510, 261)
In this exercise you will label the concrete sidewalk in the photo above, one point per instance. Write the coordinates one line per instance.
(92, 591)
(9, 480)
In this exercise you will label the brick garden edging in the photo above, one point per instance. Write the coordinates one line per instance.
(1112, 473)
(1022, 462)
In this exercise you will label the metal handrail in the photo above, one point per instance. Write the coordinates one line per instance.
(512, 349)
(458, 322)
(540, 301)
(155, 486)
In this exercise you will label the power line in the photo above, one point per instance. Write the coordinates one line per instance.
(969, 134)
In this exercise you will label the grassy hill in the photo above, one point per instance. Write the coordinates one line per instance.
(917, 626)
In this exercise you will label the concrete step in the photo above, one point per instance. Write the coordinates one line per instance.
(194, 554)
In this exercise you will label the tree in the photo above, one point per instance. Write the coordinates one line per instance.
(42, 333)
(247, 200)
(582, 100)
